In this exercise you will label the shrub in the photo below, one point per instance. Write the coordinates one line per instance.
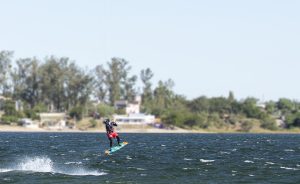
(93, 123)
(6, 119)
(76, 112)
(247, 125)
(268, 123)
(30, 113)
(293, 120)
(105, 110)
(40, 108)
(215, 120)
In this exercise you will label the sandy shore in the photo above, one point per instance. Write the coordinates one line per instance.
(7, 128)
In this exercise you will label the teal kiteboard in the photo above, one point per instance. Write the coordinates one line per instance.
(115, 148)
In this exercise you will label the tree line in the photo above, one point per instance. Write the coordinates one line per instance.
(59, 84)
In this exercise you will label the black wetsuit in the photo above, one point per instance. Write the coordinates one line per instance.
(110, 129)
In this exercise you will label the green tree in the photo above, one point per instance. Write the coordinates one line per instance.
(250, 108)
(63, 84)
(270, 107)
(231, 97)
(116, 75)
(200, 104)
(78, 86)
(26, 81)
(163, 94)
(219, 105)
(5, 70)
(52, 82)
(100, 83)
(285, 105)
(293, 120)
(147, 96)
(129, 91)
(105, 110)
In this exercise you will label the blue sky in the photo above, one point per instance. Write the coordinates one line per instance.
(206, 47)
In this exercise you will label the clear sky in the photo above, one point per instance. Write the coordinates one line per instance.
(208, 47)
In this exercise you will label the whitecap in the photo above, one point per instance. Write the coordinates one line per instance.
(289, 168)
(72, 151)
(206, 161)
(5, 170)
(188, 159)
(258, 158)
(82, 172)
(248, 161)
(78, 163)
(6, 179)
(225, 152)
(36, 164)
(163, 145)
(187, 168)
(270, 163)
(251, 175)
(289, 150)
(128, 158)
(139, 169)
(45, 164)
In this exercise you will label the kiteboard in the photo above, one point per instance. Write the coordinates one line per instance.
(115, 148)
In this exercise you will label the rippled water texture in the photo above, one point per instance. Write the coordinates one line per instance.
(149, 158)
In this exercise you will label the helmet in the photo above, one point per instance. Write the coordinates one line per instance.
(106, 120)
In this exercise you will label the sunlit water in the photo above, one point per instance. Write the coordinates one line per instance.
(149, 158)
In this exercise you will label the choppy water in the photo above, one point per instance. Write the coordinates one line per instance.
(149, 158)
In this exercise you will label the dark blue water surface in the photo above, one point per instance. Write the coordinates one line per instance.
(149, 158)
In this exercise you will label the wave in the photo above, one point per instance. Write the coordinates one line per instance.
(206, 161)
(5, 170)
(249, 161)
(77, 163)
(270, 163)
(46, 165)
(289, 168)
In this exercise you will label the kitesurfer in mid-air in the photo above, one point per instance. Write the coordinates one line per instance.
(110, 132)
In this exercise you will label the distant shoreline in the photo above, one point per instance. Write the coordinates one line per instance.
(7, 128)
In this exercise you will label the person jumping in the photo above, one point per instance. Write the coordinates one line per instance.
(110, 132)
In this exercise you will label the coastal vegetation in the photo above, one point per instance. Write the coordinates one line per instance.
(30, 86)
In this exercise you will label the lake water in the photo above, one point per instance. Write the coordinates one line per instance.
(149, 158)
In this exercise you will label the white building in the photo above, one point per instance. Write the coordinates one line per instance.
(130, 108)
(28, 123)
(134, 119)
(53, 120)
